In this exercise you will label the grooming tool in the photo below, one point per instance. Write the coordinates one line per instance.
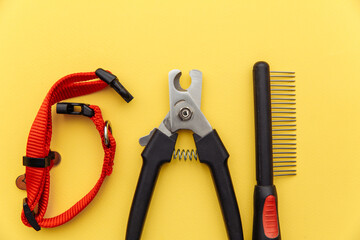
(184, 113)
(275, 126)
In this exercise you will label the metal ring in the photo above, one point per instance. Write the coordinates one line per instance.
(107, 128)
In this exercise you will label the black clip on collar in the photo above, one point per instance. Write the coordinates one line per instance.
(70, 108)
(30, 216)
(39, 162)
(113, 82)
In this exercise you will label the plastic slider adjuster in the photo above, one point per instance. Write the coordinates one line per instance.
(70, 108)
(39, 162)
(30, 216)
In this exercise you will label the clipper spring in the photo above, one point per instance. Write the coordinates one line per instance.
(185, 154)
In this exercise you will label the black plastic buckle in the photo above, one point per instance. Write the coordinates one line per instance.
(39, 162)
(113, 82)
(70, 108)
(30, 216)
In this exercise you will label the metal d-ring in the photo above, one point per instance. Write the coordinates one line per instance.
(107, 128)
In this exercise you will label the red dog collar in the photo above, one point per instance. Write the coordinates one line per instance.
(39, 159)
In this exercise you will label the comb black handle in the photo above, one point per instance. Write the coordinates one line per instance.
(212, 152)
(157, 152)
(263, 127)
(266, 218)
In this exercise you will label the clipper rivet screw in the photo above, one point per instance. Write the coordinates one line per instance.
(185, 114)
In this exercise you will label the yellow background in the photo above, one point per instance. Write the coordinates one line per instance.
(141, 41)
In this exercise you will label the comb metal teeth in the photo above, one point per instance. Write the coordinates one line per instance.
(281, 121)
(282, 80)
(283, 75)
(284, 125)
(283, 117)
(292, 108)
(284, 157)
(281, 85)
(282, 89)
(289, 72)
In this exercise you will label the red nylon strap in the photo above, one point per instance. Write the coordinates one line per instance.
(38, 146)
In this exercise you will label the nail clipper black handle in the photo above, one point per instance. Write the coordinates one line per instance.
(212, 152)
(266, 218)
(157, 152)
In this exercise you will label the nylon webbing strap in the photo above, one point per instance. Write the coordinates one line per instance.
(38, 147)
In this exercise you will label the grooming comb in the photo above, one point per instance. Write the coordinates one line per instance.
(275, 127)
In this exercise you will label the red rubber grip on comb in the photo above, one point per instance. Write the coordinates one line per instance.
(270, 218)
